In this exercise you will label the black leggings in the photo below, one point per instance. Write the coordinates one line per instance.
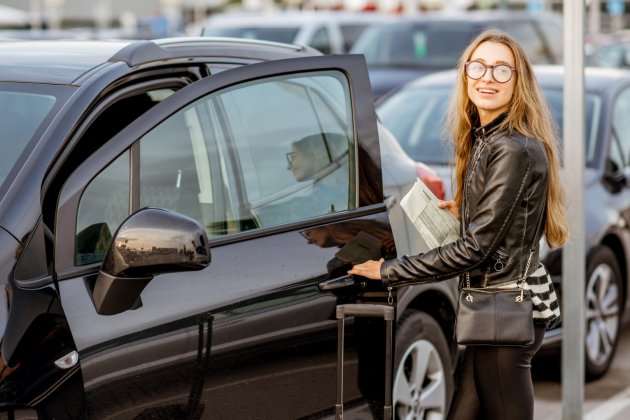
(496, 383)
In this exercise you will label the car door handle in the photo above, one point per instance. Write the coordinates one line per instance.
(390, 201)
(337, 283)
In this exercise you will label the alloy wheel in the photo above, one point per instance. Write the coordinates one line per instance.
(419, 385)
(602, 313)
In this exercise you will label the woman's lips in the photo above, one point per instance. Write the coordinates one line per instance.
(487, 91)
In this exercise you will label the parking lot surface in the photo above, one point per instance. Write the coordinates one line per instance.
(605, 399)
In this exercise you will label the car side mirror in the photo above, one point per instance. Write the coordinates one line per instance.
(151, 241)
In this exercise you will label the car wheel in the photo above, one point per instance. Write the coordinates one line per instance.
(603, 311)
(423, 381)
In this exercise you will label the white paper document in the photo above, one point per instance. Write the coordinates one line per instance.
(436, 226)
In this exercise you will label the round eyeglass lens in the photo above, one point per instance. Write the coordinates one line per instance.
(475, 70)
(502, 73)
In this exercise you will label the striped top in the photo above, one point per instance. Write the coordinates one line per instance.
(544, 299)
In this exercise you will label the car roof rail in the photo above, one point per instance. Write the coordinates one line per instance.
(214, 40)
(140, 52)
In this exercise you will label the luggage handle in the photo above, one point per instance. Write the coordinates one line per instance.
(362, 309)
(365, 309)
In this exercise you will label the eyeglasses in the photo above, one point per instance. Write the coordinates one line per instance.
(502, 73)
(290, 158)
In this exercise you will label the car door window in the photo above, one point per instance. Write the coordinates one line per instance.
(620, 146)
(351, 32)
(291, 168)
(551, 27)
(430, 44)
(260, 154)
(103, 207)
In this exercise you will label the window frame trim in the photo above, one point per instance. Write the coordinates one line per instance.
(353, 67)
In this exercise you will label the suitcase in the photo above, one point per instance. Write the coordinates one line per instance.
(383, 311)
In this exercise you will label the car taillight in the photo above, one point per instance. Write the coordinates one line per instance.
(431, 179)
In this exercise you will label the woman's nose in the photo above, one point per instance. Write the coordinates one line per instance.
(488, 76)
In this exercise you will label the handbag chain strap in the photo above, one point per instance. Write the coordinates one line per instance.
(520, 282)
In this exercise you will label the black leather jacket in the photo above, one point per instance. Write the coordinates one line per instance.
(502, 216)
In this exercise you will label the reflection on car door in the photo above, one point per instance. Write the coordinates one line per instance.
(252, 335)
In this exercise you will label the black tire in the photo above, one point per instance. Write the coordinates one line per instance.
(603, 300)
(420, 341)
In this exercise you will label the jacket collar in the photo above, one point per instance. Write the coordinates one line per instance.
(482, 131)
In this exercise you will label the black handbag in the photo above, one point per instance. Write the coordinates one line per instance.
(495, 316)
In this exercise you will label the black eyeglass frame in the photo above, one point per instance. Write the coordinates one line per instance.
(290, 157)
(492, 68)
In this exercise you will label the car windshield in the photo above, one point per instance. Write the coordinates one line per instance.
(430, 44)
(278, 34)
(23, 110)
(416, 118)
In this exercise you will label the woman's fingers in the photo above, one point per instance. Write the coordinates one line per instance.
(370, 269)
(451, 206)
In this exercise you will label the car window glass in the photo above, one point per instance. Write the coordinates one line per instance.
(551, 26)
(21, 114)
(592, 107)
(416, 119)
(350, 33)
(291, 168)
(235, 162)
(621, 126)
(321, 40)
(432, 44)
(103, 207)
(529, 39)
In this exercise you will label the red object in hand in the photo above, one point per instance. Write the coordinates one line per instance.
(431, 179)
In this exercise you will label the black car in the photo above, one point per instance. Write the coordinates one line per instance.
(163, 257)
(415, 115)
(398, 52)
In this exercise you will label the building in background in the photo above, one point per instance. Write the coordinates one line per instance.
(11, 17)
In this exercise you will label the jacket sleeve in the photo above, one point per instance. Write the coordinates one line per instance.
(506, 177)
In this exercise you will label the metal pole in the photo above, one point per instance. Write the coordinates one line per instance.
(573, 284)
(594, 18)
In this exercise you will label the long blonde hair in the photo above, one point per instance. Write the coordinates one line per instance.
(527, 113)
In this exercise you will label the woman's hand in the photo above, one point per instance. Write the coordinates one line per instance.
(451, 206)
(370, 269)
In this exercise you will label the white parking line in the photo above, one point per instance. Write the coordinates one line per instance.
(609, 408)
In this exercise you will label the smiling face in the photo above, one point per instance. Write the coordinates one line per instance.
(489, 96)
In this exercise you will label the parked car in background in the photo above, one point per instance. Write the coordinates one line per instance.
(415, 115)
(611, 50)
(398, 52)
(328, 32)
(173, 246)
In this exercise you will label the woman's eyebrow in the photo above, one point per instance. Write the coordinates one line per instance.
(495, 63)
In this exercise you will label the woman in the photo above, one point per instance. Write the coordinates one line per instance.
(322, 159)
(509, 192)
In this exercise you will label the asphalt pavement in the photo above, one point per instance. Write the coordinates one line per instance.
(607, 398)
